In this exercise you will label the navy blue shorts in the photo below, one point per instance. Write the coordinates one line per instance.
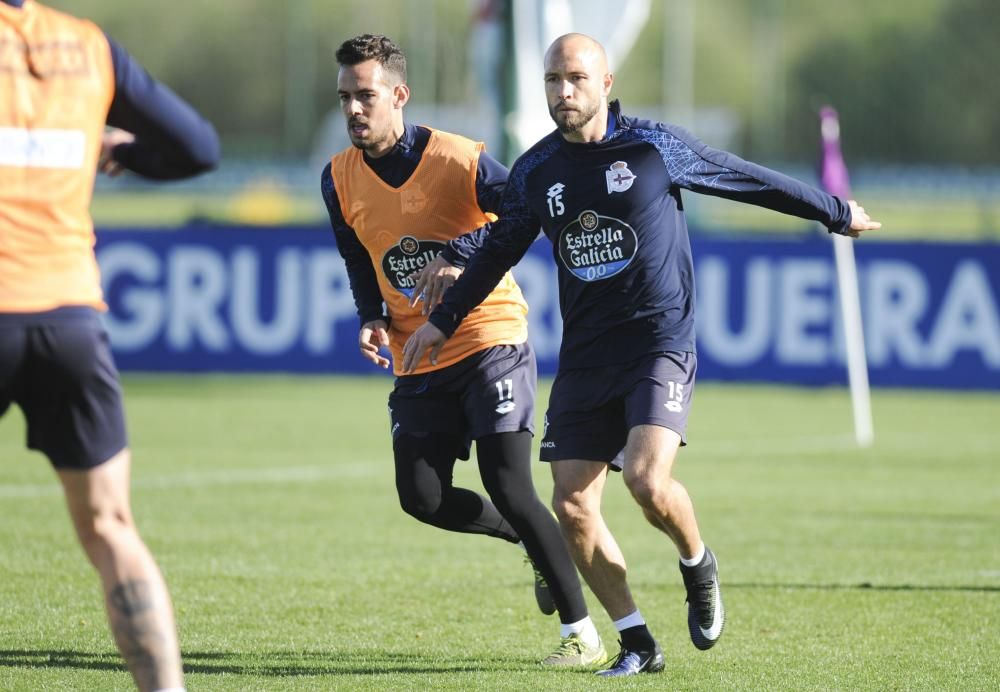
(492, 391)
(591, 410)
(57, 367)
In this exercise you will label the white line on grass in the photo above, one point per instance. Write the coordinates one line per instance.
(284, 474)
(806, 445)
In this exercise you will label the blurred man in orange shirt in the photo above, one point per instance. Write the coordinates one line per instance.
(65, 82)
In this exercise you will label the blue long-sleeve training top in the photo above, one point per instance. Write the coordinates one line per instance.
(614, 214)
(395, 168)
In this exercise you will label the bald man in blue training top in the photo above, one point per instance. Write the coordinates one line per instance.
(606, 189)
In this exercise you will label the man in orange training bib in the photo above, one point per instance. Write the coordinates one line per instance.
(397, 198)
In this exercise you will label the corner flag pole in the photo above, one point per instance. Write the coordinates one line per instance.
(836, 182)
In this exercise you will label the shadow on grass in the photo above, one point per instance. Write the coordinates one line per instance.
(863, 586)
(44, 658)
(339, 662)
(275, 663)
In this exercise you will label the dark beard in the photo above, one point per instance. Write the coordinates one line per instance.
(371, 142)
(369, 145)
(575, 121)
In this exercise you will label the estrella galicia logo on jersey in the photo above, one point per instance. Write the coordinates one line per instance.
(403, 260)
(619, 177)
(595, 247)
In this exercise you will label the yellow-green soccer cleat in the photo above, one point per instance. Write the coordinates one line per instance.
(573, 651)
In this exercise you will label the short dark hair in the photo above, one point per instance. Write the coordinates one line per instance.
(373, 47)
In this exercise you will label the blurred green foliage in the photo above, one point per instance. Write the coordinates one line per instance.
(910, 92)
(912, 80)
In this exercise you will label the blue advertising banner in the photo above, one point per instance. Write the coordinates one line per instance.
(278, 299)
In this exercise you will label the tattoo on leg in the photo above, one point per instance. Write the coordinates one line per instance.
(131, 597)
(137, 628)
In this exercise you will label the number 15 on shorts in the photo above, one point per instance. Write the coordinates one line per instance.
(675, 394)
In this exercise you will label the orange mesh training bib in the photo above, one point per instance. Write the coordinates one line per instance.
(57, 80)
(404, 228)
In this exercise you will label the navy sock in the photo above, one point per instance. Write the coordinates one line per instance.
(637, 638)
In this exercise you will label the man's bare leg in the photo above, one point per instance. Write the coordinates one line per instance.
(578, 487)
(136, 597)
(649, 459)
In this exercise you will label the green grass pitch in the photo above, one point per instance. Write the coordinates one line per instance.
(269, 503)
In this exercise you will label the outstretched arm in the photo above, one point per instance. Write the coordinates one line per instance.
(695, 166)
(860, 221)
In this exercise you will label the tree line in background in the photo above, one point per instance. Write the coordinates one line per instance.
(914, 82)
(923, 94)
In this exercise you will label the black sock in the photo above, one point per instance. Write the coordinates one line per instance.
(637, 638)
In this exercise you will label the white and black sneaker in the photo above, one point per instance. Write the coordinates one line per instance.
(706, 615)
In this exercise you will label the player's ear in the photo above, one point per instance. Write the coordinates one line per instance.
(609, 79)
(400, 95)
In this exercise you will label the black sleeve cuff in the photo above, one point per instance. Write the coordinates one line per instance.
(842, 226)
(452, 257)
(378, 316)
(443, 321)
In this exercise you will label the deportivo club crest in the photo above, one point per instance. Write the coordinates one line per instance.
(412, 199)
(619, 177)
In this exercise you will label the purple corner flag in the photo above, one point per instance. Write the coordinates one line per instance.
(833, 170)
